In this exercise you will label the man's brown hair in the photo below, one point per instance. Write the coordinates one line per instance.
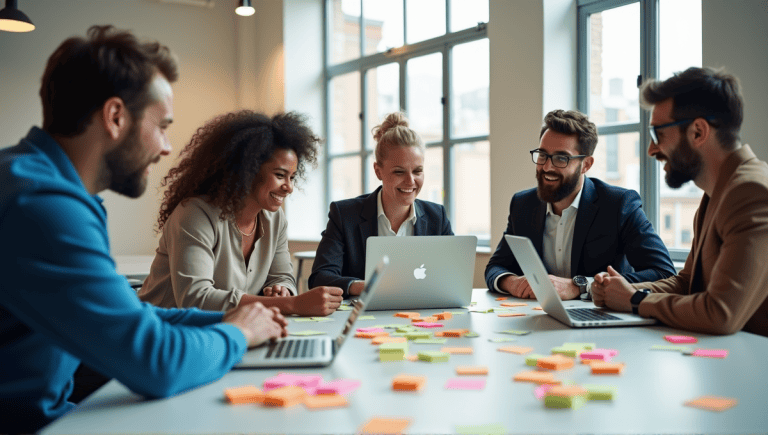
(571, 122)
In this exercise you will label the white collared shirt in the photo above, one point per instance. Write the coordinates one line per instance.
(385, 227)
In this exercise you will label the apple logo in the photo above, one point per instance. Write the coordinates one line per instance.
(420, 272)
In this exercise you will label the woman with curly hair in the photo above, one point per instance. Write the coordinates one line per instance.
(224, 234)
(391, 210)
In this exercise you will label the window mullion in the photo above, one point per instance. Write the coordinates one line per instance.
(448, 165)
(363, 128)
(649, 69)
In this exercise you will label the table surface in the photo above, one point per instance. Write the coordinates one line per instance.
(651, 391)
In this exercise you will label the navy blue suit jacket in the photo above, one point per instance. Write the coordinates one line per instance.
(340, 257)
(611, 229)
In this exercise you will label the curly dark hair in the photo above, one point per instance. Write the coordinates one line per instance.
(223, 159)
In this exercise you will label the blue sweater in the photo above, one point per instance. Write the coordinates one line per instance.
(63, 302)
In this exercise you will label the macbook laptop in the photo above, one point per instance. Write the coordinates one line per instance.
(316, 351)
(424, 271)
(575, 317)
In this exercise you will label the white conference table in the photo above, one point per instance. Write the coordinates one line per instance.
(650, 398)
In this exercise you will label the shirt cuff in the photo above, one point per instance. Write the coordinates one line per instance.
(496, 282)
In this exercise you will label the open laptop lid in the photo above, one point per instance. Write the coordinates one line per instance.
(545, 292)
(371, 284)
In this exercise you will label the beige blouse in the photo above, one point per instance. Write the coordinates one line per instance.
(199, 261)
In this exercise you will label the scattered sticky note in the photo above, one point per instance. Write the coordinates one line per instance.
(384, 339)
(599, 354)
(555, 362)
(606, 368)
(565, 396)
(514, 332)
(443, 316)
(712, 403)
(465, 384)
(430, 341)
(428, 325)
(680, 339)
(408, 382)
(481, 429)
(711, 353)
(533, 359)
(344, 308)
(471, 334)
(471, 370)
(433, 356)
(308, 332)
(384, 426)
(325, 401)
(541, 390)
(366, 318)
(244, 394)
(502, 298)
(285, 396)
(671, 348)
(600, 392)
(514, 304)
(417, 335)
(374, 334)
(502, 340)
(536, 377)
(511, 314)
(520, 350)
(458, 350)
(339, 386)
(538, 308)
(321, 319)
(407, 315)
(371, 329)
(303, 319)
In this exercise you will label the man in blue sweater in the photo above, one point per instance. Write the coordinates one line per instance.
(107, 103)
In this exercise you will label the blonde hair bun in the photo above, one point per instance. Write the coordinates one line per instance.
(392, 121)
(394, 131)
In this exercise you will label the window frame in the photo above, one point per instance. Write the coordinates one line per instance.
(401, 55)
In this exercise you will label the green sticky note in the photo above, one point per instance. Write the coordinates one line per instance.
(481, 429)
(387, 357)
(366, 318)
(430, 341)
(392, 326)
(457, 313)
(302, 319)
(433, 356)
(416, 335)
(574, 402)
(502, 339)
(308, 333)
(514, 332)
(321, 319)
(568, 351)
(532, 360)
(393, 348)
(672, 348)
(344, 308)
(471, 334)
(600, 392)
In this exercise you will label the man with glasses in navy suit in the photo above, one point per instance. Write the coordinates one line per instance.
(579, 225)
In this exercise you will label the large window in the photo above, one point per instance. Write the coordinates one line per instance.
(622, 43)
(429, 58)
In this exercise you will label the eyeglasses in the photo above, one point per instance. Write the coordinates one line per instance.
(653, 129)
(558, 160)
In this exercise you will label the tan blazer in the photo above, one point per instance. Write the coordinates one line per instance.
(723, 287)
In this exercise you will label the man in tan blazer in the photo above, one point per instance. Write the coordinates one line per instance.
(723, 288)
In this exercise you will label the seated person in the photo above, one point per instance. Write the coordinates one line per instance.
(224, 233)
(579, 225)
(107, 103)
(696, 118)
(391, 210)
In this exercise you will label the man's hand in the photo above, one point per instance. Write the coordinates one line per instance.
(356, 288)
(565, 287)
(277, 290)
(613, 291)
(257, 323)
(320, 301)
(517, 286)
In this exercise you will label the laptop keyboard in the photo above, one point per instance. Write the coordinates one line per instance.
(589, 314)
(293, 349)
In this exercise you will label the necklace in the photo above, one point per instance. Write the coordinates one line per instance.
(237, 227)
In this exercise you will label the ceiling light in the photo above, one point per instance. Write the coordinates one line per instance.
(245, 9)
(14, 20)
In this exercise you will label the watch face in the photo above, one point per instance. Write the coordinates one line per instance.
(580, 280)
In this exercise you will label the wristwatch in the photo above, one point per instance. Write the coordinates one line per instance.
(581, 282)
(637, 298)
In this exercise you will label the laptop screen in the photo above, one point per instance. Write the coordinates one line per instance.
(362, 300)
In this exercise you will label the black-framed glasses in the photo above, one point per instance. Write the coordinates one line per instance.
(653, 129)
(558, 160)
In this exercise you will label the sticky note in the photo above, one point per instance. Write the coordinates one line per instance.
(430, 341)
(520, 350)
(514, 304)
(537, 377)
(443, 316)
(308, 332)
(600, 392)
(433, 356)
(303, 319)
(502, 340)
(555, 362)
(471, 370)
(371, 329)
(372, 334)
(416, 335)
(471, 334)
(711, 353)
(407, 315)
(412, 358)
(533, 359)
(321, 319)
(541, 390)
(366, 318)
(570, 396)
(680, 339)
(712, 403)
(428, 325)
(599, 354)
(385, 339)
(344, 308)
(671, 348)
(339, 386)
(325, 401)
(244, 394)
(514, 332)
(456, 333)
(408, 382)
(481, 429)
(394, 347)
(285, 396)
(384, 426)
(511, 314)
(456, 313)
(606, 368)
(465, 384)
(288, 379)
(458, 350)
(538, 308)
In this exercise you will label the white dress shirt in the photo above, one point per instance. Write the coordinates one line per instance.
(385, 227)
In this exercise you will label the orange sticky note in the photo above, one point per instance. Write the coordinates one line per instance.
(407, 315)
(384, 426)
(501, 299)
(520, 350)
(325, 401)
(443, 316)
(372, 334)
(471, 370)
(555, 362)
(430, 319)
(244, 394)
(712, 403)
(511, 314)
(458, 350)
(408, 382)
(385, 339)
(538, 308)
(514, 304)
(454, 332)
(566, 391)
(412, 357)
(536, 377)
(285, 396)
(607, 368)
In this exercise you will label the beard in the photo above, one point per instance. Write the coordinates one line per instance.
(684, 164)
(125, 166)
(557, 193)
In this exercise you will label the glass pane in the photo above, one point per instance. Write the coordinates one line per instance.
(472, 189)
(617, 160)
(614, 63)
(679, 36)
(383, 96)
(425, 18)
(676, 210)
(432, 190)
(345, 178)
(345, 117)
(371, 182)
(345, 30)
(383, 25)
(425, 92)
(467, 13)
(469, 89)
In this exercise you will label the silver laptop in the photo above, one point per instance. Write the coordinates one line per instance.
(424, 271)
(317, 351)
(575, 317)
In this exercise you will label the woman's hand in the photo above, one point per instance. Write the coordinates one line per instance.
(277, 290)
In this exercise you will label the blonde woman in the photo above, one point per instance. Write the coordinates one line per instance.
(390, 210)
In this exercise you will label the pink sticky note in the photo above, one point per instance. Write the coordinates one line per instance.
(678, 339)
(465, 384)
(339, 386)
(428, 324)
(370, 330)
(308, 380)
(599, 354)
(711, 353)
(287, 379)
(541, 390)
